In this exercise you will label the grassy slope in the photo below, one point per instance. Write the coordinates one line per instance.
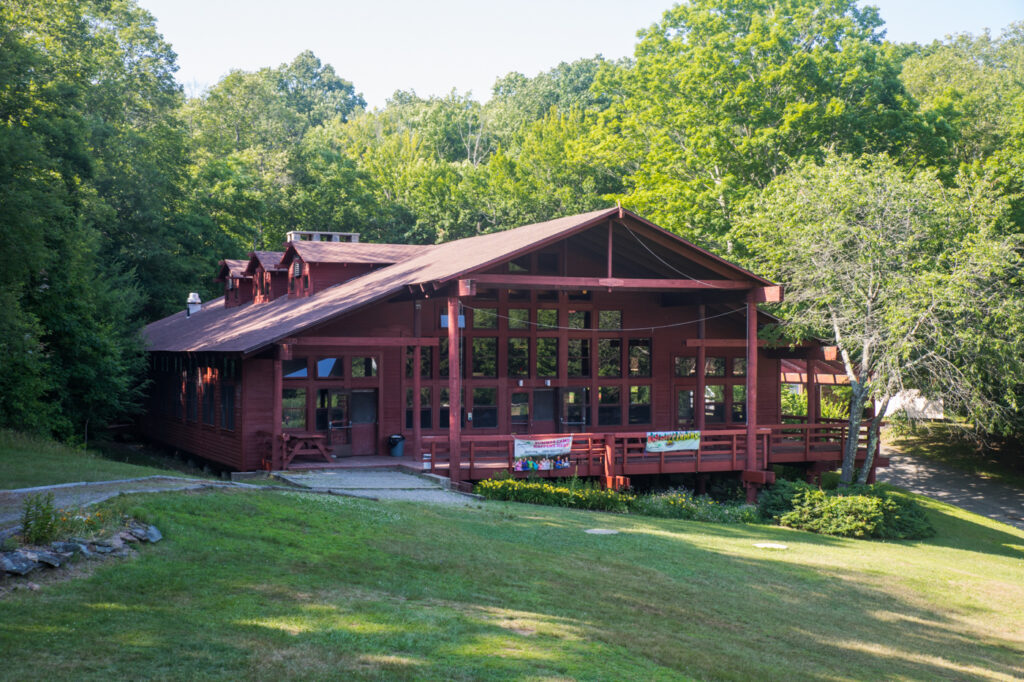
(270, 585)
(26, 461)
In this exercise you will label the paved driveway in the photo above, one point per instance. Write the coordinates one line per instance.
(987, 498)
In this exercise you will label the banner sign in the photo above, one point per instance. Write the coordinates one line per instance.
(670, 441)
(542, 447)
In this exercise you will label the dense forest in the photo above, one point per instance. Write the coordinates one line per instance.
(736, 123)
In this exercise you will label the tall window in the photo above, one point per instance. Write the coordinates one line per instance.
(609, 357)
(639, 404)
(485, 408)
(485, 356)
(519, 409)
(609, 406)
(293, 408)
(518, 357)
(209, 403)
(227, 406)
(191, 396)
(639, 357)
(579, 358)
(547, 357)
(426, 412)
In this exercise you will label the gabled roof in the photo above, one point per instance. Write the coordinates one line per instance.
(269, 260)
(232, 267)
(248, 328)
(350, 252)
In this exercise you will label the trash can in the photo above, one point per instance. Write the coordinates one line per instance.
(396, 444)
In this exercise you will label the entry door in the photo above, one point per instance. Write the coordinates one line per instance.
(364, 421)
(543, 416)
(332, 418)
(574, 415)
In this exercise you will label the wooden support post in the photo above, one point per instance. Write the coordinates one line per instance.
(417, 366)
(276, 446)
(813, 405)
(698, 399)
(454, 392)
(751, 394)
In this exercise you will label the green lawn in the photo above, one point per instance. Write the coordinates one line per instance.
(945, 443)
(269, 585)
(28, 461)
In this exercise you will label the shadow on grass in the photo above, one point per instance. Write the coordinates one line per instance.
(284, 586)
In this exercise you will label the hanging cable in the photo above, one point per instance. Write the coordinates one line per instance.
(662, 260)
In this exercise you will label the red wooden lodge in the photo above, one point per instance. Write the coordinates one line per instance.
(600, 325)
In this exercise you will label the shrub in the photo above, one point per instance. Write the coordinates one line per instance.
(580, 496)
(682, 504)
(38, 519)
(856, 516)
(859, 512)
(777, 499)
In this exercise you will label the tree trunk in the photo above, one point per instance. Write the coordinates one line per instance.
(860, 392)
(873, 436)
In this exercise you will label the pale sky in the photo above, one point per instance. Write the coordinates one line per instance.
(432, 47)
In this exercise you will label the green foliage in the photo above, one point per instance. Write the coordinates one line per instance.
(671, 504)
(856, 511)
(555, 495)
(39, 519)
(793, 403)
(724, 96)
(777, 499)
(682, 504)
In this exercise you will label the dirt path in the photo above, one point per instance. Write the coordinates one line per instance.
(995, 500)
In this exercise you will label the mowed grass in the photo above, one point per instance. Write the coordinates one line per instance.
(29, 461)
(271, 585)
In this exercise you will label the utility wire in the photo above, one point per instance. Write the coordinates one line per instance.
(659, 259)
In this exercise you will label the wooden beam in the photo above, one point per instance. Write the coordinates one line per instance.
(387, 341)
(621, 284)
(751, 392)
(454, 393)
(467, 287)
(417, 366)
(768, 294)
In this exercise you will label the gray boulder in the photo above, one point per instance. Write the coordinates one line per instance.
(17, 563)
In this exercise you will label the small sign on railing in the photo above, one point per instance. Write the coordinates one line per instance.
(670, 441)
(542, 447)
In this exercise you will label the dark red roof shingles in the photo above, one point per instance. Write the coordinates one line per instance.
(248, 328)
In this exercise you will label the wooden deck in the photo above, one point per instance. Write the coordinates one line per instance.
(610, 455)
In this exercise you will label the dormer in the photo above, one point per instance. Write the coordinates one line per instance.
(313, 266)
(238, 289)
(269, 277)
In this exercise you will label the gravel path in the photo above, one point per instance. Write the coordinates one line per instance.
(380, 484)
(82, 494)
(995, 500)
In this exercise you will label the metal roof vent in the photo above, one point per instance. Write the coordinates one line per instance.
(194, 304)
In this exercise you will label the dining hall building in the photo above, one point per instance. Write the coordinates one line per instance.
(580, 345)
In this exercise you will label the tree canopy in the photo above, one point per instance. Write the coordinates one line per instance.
(119, 194)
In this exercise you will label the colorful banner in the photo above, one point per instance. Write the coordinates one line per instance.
(542, 447)
(670, 441)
